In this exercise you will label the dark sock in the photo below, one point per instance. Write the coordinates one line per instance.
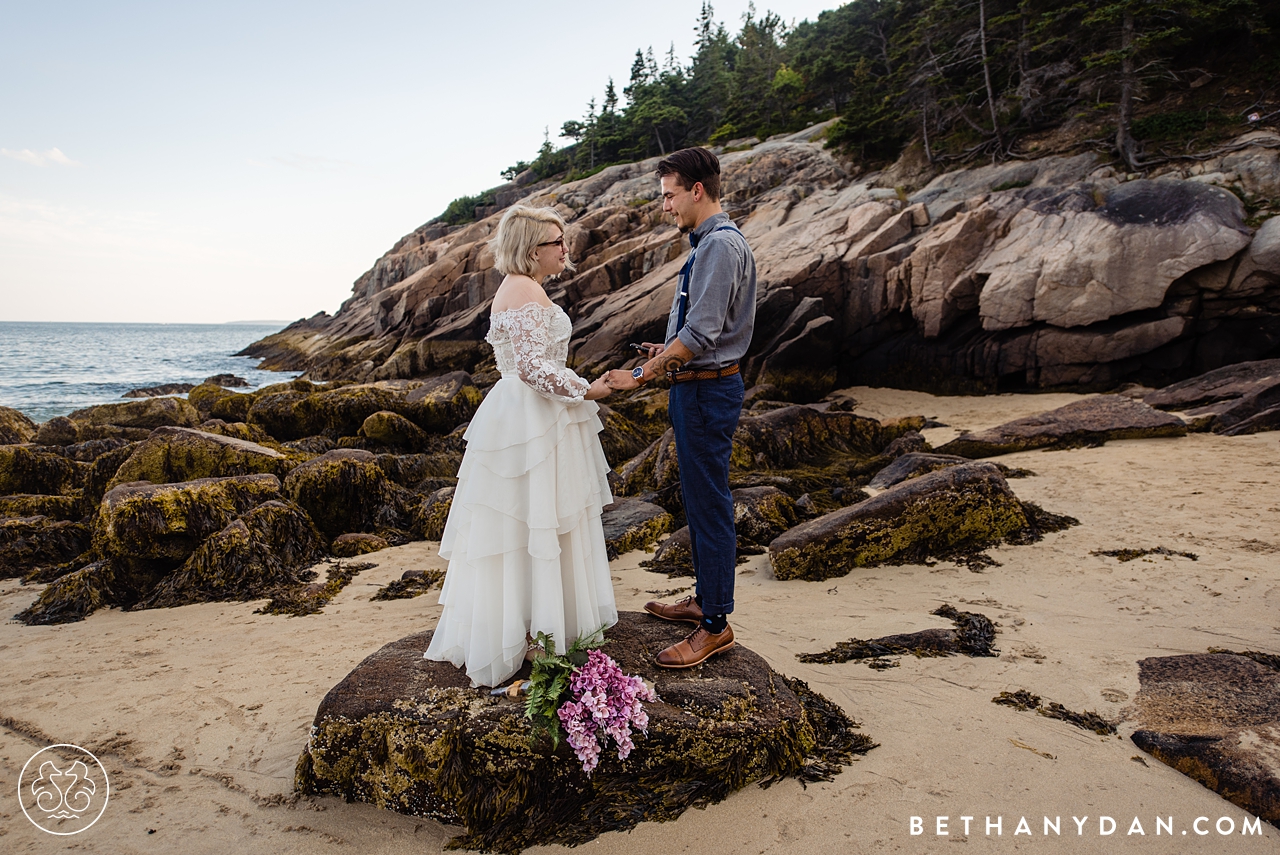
(715, 624)
(697, 598)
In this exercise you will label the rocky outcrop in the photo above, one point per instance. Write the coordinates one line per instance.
(345, 490)
(1092, 421)
(171, 455)
(157, 391)
(27, 543)
(633, 524)
(1214, 717)
(952, 511)
(1030, 274)
(355, 543)
(15, 428)
(1234, 400)
(911, 465)
(148, 414)
(457, 755)
(430, 515)
(32, 470)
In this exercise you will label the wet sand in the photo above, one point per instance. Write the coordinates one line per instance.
(199, 713)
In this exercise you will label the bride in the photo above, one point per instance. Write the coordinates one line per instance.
(524, 540)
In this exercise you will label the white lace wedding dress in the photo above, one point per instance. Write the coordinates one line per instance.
(524, 541)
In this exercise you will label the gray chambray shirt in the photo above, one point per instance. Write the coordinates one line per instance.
(722, 297)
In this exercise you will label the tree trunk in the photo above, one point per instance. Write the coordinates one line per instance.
(1024, 50)
(924, 125)
(658, 137)
(986, 75)
(1128, 83)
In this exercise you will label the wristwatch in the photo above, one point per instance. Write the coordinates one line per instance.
(637, 374)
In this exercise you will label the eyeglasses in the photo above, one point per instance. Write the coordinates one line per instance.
(557, 242)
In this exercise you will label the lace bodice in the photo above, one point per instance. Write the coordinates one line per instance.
(532, 343)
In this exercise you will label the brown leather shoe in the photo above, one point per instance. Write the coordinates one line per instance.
(685, 611)
(697, 648)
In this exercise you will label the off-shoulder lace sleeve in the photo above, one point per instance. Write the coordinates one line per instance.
(530, 339)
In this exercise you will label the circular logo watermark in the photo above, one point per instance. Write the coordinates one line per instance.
(63, 789)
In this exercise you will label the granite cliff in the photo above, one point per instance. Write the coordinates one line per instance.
(1054, 272)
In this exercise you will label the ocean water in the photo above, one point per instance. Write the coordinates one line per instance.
(51, 369)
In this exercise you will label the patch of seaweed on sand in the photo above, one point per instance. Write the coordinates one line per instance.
(414, 583)
(1133, 554)
(1025, 701)
(1270, 660)
(973, 635)
(309, 599)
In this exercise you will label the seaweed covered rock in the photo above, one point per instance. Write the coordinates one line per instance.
(232, 407)
(622, 438)
(15, 428)
(394, 430)
(31, 470)
(762, 513)
(173, 454)
(157, 391)
(1092, 421)
(632, 524)
(410, 735)
(435, 406)
(441, 403)
(59, 430)
(357, 543)
(149, 530)
(266, 548)
(73, 596)
(780, 439)
(1215, 718)
(345, 490)
(30, 542)
(149, 413)
(423, 472)
(33, 505)
(236, 430)
(204, 396)
(101, 472)
(961, 508)
(430, 515)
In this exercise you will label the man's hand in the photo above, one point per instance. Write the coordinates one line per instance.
(653, 350)
(620, 380)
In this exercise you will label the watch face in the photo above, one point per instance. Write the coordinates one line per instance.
(638, 373)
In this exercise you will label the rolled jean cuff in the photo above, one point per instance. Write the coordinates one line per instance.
(710, 608)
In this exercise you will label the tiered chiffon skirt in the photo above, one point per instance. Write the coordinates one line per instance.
(524, 539)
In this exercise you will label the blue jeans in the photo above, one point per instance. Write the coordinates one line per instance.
(705, 414)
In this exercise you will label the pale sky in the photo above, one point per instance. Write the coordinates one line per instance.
(210, 162)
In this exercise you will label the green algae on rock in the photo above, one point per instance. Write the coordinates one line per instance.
(31, 470)
(430, 515)
(974, 635)
(148, 413)
(1090, 422)
(953, 510)
(73, 596)
(266, 548)
(174, 454)
(149, 530)
(34, 505)
(410, 735)
(394, 431)
(15, 428)
(31, 542)
(357, 543)
(345, 490)
(632, 524)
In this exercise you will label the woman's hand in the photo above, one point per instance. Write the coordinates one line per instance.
(599, 389)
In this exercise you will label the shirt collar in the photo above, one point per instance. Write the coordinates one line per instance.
(706, 227)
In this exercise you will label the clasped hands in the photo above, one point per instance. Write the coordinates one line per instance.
(620, 379)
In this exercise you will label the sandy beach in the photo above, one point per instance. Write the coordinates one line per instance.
(199, 713)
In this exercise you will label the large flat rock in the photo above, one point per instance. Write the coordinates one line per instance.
(1215, 717)
(410, 735)
(1092, 421)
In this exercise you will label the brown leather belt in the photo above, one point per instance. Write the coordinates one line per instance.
(705, 374)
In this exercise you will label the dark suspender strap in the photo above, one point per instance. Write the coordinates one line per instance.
(682, 281)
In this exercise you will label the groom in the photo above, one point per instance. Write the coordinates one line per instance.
(708, 331)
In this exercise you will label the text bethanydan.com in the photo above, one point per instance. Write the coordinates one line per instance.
(1081, 826)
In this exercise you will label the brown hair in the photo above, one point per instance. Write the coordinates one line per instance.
(692, 166)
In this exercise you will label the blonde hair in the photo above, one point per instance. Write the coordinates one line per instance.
(520, 231)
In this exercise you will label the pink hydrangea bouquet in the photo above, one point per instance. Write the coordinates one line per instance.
(584, 697)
